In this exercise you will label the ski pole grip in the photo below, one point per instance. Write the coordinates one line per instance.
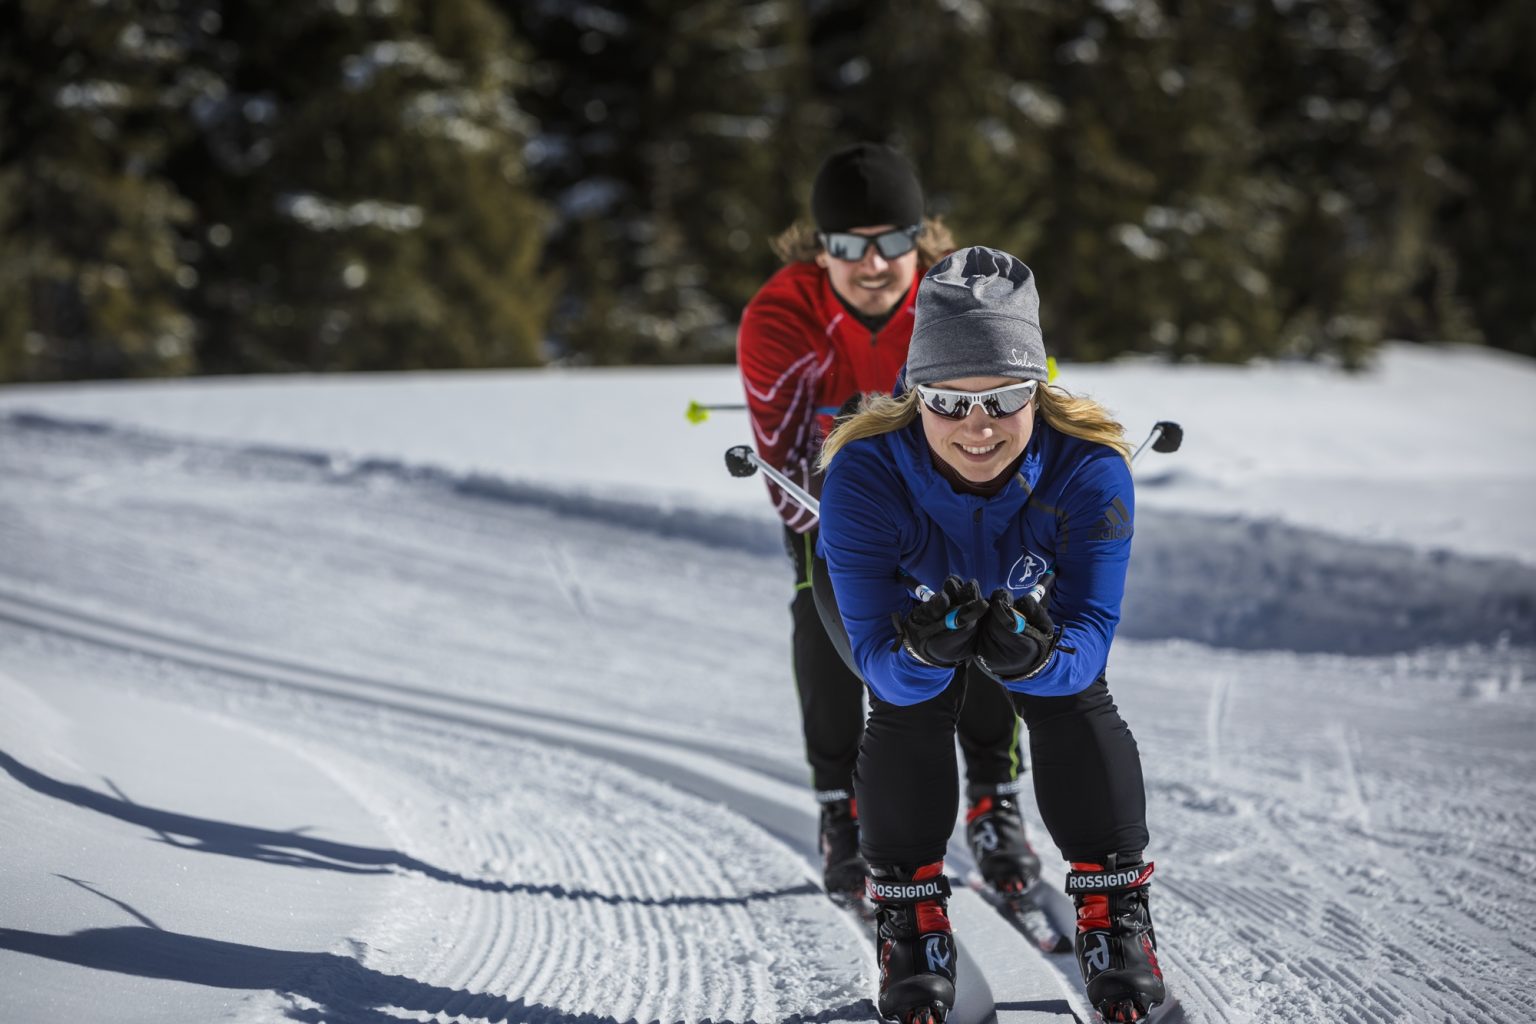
(739, 461)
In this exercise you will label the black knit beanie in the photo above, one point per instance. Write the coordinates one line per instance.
(864, 185)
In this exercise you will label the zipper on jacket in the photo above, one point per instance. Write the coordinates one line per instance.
(976, 538)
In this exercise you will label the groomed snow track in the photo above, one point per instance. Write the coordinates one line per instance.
(1025, 989)
(449, 646)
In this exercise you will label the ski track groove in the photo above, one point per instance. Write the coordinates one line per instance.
(631, 931)
(494, 922)
(1182, 979)
(627, 901)
(1215, 713)
(514, 947)
(1485, 1008)
(1351, 906)
(566, 863)
(656, 960)
(602, 869)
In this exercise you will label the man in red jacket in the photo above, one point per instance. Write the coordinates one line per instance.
(832, 324)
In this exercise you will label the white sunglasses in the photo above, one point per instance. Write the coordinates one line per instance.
(997, 403)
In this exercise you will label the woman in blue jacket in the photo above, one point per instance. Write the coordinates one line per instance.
(976, 531)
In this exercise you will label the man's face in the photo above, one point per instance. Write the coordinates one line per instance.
(872, 285)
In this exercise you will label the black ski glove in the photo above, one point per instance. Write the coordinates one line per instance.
(1015, 638)
(941, 632)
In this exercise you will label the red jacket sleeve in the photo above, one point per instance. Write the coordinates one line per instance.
(781, 370)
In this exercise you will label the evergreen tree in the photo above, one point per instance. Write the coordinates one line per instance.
(1485, 91)
(1344, 148)
(358, 170)
(1102, 144)
(669, 128)
(92, 279)
(222, 185)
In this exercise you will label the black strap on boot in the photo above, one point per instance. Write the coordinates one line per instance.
(891, 890)
(1111, 879)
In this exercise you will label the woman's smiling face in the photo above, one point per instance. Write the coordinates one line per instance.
(978, 447)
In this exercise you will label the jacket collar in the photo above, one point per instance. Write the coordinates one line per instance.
(954, 512)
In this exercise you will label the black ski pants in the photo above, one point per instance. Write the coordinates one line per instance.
(832, 701)
(1087, 769)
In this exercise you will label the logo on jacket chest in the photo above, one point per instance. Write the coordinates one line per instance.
(1026, 572)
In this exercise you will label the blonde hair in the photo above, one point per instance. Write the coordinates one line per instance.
(800, 242)
(1070, 414)
(878, 414)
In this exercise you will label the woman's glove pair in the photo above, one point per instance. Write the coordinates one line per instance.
(1008, 639)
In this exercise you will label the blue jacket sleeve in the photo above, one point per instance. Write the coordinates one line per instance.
(1093, 551)
(861, 541)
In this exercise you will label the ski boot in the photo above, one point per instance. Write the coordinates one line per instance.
(1116, 947)
(994, 829)
(843, 870)
(1008, 866)
(917, 949)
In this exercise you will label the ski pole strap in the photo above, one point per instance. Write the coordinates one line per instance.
(1117, 880)
(890, 890)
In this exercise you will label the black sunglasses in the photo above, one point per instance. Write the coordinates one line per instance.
(845, 245)
(997, 403)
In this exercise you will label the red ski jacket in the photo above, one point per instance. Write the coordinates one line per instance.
(802, 355)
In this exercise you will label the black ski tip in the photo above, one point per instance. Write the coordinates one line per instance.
(738, 462)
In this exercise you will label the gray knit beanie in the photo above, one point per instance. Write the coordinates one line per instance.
(977, 315)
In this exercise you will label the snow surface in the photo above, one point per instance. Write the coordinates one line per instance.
(1430, 448)
(466, 697)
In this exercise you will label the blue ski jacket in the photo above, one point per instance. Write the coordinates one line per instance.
(891, 523)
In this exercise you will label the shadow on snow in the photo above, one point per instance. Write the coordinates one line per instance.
(336, 989)
(294, 849)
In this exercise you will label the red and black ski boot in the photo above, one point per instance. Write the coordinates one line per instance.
(917, 948)
(1008, 866)
(843, 870)
(1116, 947)
(994, 829)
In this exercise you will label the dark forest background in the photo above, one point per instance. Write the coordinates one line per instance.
(225, 186)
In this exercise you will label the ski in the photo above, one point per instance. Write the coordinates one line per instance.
(855, 903)
(858, 906)
(935, 1014)
(1024, 912)
(1166, 1012)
